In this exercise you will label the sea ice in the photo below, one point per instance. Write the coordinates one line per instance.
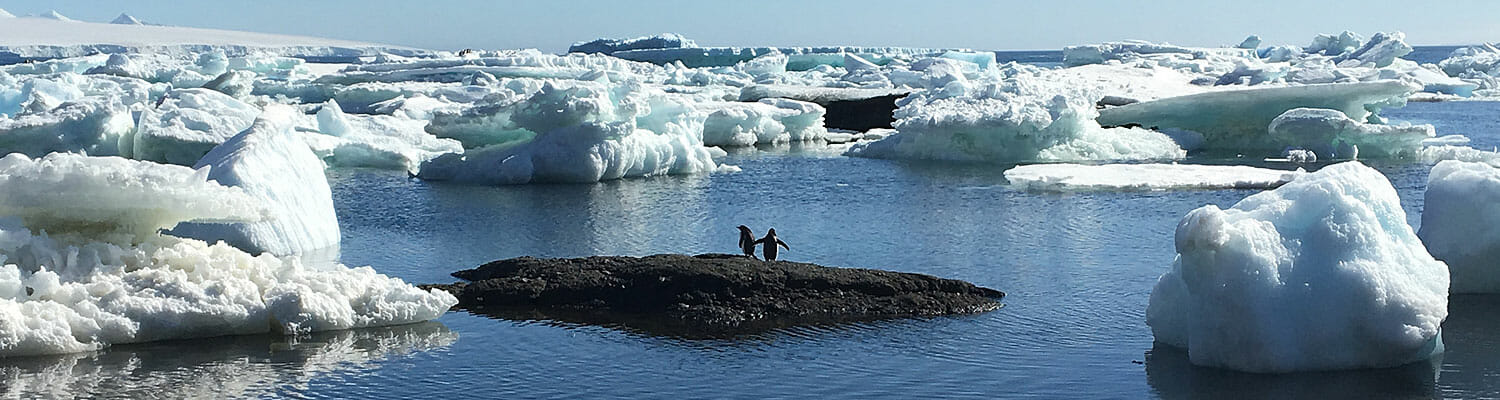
(1238, 119)
(1458, 226)
(186, 124)
(1026, 117)
(764, 122)
(1323, 131)
(73, 192)
(1070, 177)
(276, 167)
(375, 141)
(1321, 274)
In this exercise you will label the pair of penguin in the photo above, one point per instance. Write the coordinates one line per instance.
(748, 242)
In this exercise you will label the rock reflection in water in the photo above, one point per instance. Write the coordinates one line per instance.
(222, 367)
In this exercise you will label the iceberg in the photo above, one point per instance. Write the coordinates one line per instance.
(276, 167)
(188, 123)
(1320, 274)
(1076, 177)
(1238, 119)
(1458, 227)
(126, 19)
(1100, 53)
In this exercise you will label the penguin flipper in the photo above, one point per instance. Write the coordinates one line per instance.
(758, 241)
(783, 244)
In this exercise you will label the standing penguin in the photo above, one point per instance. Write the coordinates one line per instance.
(770, 244)
(747, 241)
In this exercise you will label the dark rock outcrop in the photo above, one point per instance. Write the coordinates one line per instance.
(711, 295)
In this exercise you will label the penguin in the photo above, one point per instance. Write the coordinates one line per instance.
(770, 244)
(747, 241)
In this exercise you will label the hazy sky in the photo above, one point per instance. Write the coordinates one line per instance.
(995, 25)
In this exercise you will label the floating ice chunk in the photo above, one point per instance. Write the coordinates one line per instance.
(6, 14)
(1322, 130)
(1300, 156)
(1320, 274)
(63, 293)
(187, 123)
(1479, 65)
(1380, 51)
(72, 192)
(584, 133)
(1458, 225)
(764, 122)
(237, 84)
(608, 46)
(94, 125)
(375, 141)
(798, 58)
(1333, 45)
(1069, 177)
(854, 62)
(769, 64)
(1023, 118)
(277, 168)
(819, 95)
(1436, 154)
(1238, 119)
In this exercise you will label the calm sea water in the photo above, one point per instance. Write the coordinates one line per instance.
(1078, 270)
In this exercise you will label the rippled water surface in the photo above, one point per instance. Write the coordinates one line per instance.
(1078, 270)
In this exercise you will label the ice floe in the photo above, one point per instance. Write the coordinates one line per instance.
(1070, 177)
(1322, 273)
(1457, 224)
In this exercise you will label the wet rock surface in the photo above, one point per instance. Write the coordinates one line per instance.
(710, 295)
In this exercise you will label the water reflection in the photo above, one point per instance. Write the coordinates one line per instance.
(1468, 369)
(231, 366)
(1173, 377)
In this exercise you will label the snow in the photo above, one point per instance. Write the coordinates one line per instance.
(1238, 119)
(6, 14)
(187, 124)
(275, 166)
(66, 191)
(799, 58)
(608, 46)
(1074, 177)
(820, 95)
(56, 16)
(1458, 224)
(1320, 274)
(126, 19)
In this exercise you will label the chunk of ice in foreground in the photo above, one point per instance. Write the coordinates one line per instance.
(276, 167)
(1459, 225)
(1320, 274)
(1062, 177)
(67, 191)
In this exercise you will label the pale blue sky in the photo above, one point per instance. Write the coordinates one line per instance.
(996, 25)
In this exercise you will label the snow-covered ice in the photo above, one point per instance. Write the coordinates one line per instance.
(72, 192)
(1071, 177)
(54, 38)
(1323, 131)
(272, 164)
(1459, 225)
(186, 124)
(1320, 274)
(1238, 119)
(1026, 117)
